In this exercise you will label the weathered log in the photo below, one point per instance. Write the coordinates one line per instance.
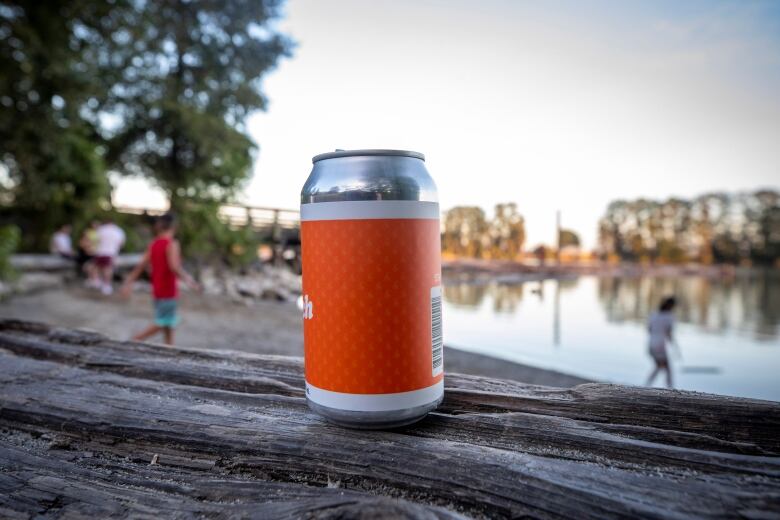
(94, 427)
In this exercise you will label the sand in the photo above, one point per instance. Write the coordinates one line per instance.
(212, 322)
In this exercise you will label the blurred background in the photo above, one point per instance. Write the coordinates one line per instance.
(591, 158)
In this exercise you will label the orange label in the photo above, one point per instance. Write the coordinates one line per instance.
(370, 321)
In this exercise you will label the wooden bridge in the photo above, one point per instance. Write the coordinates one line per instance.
(276, 225)
(276, 228)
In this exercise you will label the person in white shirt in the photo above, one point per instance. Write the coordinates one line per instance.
(110, 239)
(660, 327)
(61, 243)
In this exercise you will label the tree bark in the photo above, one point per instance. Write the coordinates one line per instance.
(95, 427)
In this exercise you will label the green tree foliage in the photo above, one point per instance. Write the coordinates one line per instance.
(567, 238)
(52, 164)
(714, 227)
(9, 241)
(159, 89)
(210, 240)
(183, 76)
(467, 233)
(464, 229)
(506, 232)
(767, 228)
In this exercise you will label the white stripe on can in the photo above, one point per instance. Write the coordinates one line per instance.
(375, 402)
(370, 209)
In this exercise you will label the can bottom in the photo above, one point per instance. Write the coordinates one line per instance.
(374, 420)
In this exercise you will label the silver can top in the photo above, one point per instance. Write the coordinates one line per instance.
(353, 175)
(371, 151)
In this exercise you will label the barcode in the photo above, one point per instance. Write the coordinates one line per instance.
(436, 337)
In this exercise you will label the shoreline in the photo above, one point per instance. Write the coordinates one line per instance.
(472, 363)
(478, 271)
(216, 322)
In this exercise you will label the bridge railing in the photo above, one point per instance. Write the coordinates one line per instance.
(260, 217)
(273, 221)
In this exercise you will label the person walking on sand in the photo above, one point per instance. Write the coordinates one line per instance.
(164, 257)
(110, 239)
(660, 326)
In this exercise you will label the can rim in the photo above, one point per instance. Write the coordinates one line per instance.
(367, 152)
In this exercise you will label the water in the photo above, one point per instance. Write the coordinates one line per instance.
(595, 328)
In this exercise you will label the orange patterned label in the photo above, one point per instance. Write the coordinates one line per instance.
(368, 318)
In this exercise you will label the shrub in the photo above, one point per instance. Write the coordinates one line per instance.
(9, 241)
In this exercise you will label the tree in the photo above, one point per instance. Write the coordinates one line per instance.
(767, 248)
(183, 76)
(9, 241)
(468, 233)
(713, 227)
(506, 232)
(160, 89)
(567, 238)
(464, 229)
(53, 166)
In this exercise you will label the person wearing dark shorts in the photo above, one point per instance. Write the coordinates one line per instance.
(104, 262)
(85, 261)
(164, 257)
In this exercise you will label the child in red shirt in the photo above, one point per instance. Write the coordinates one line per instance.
(164, 257)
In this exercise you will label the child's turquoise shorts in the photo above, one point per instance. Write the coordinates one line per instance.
(165, 312)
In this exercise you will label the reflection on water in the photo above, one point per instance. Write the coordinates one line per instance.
(505, 298)
(745, 304)
(595, 327)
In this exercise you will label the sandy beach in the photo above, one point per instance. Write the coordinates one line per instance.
(216, 322)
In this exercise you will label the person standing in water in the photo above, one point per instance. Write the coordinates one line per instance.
(660, 327)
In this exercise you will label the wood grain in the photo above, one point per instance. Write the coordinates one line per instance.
(82, 418)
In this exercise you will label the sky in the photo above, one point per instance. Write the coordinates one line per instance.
(554, 105)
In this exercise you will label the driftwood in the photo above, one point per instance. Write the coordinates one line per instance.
(94, 428)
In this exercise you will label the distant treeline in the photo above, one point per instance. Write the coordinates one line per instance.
(711, 228)
(468, 233)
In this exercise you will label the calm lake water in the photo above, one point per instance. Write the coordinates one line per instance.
(728, 330)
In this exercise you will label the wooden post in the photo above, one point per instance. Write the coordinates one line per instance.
(275, 230)
(276, 239)
(558, 237)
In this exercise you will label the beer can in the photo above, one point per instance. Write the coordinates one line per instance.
(371, 255)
